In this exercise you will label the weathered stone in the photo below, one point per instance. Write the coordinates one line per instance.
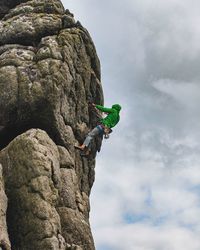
(32, 177)
(35, 6)
(69, 187)
(66, 161)
(4, 239)
(48, 77)
(42, 195)
(6, 5)
(49, 71)
(75, 229)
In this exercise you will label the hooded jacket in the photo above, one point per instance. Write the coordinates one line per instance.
(113, 116)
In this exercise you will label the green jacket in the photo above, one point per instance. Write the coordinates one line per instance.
(113, 115)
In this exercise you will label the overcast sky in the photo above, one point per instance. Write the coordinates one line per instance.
(147, 190)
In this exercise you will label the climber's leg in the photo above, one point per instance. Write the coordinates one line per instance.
(98, 131)
(91, 135)
(81, 147)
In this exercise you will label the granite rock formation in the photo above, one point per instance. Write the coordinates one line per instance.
(49, 71)
(4, 239)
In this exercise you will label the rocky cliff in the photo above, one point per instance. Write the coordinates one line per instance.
(49, 70)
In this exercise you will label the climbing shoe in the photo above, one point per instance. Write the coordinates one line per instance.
(78, 147)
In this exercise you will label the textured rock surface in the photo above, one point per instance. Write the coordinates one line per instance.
(4, 239)
(6, 5)
(49, 71)
(44, 195)
(53, 72)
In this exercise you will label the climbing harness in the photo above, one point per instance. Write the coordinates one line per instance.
(106, 131)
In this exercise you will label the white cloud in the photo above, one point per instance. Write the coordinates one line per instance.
(146, 194)
(147, 188)
(186, 93)
(145, 237)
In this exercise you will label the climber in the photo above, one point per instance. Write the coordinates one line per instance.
(104, 128)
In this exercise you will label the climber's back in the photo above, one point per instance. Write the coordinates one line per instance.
(113, 116)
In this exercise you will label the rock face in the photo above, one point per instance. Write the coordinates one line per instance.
(49, 71)
(4, 239)
(53, 72)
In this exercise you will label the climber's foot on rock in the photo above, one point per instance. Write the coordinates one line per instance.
(82, 147)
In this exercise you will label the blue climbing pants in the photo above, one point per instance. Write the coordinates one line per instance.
(97, 131)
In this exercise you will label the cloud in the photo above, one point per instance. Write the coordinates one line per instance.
(146, 193)
(146, 200)
(185, 93)
(145, 237)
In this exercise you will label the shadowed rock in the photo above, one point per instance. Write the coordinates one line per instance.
(6, 5)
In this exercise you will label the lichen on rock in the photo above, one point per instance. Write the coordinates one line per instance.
(49, 70)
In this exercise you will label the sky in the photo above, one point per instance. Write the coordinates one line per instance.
(146, 195)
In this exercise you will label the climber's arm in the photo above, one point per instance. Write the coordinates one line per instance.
(104, 109)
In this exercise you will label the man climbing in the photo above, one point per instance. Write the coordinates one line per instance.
(104, 127)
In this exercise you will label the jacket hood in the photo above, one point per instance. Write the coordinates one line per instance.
(117, 107)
